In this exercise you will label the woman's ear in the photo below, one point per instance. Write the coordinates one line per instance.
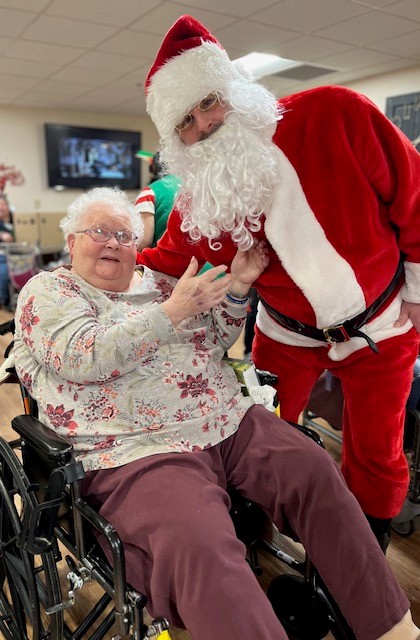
(70, 243)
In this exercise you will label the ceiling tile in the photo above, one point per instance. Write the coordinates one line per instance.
(131, 110)
(62, 88)
(386, 67)
(131, 43)
(44, 99)
(5, 43)
(93, 102)
(236, 8)
(90, 77)
(25, 5)
(132, 81)
(27, 68)
(369, 28)
(109, 61)
(405, 46)
(41, 52)
(68, 32)
(120, 13)
(375, 4)
(294, 14)
(253, 36)
(307, 48)
(6, 95)
(13, 23)
(16, 82)
(356, 58)
(9, 93)
(97, 96)
(406, 8)
(162, 18)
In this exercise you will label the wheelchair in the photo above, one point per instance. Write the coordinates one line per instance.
(43, 516)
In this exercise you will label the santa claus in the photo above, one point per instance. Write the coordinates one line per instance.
(332, 186)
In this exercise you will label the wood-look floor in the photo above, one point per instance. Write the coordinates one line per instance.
(403, 553)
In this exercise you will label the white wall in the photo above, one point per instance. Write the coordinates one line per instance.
(398, 83)
(22, 138)
(22, 145)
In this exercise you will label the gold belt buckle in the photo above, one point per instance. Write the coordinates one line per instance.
(330, 339)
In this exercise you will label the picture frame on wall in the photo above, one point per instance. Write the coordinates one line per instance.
(404, 112)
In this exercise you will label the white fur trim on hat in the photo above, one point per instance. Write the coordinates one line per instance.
(186, 79)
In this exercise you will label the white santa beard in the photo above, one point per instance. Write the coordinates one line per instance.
(226, 181)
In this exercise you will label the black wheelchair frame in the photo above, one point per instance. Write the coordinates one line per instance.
(43, 514)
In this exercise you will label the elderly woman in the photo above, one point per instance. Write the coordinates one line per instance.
(127, 364)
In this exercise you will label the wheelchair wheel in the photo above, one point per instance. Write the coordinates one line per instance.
(404, 529)
(299, 609)
(29, 584)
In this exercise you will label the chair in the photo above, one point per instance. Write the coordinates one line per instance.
(326, 401)
(42, 515)
(22, 263)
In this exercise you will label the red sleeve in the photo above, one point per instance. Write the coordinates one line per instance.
(146, 195)
(173, 252)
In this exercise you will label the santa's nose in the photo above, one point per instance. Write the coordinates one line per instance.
(205, 120)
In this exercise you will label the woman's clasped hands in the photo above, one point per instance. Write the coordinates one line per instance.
(197, 293)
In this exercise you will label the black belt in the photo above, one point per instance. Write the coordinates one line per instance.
(340, 332)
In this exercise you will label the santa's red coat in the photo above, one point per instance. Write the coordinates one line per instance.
(346, 208)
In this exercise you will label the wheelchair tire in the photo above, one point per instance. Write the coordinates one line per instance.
(29, 584)
(299, 609)
(404, 529)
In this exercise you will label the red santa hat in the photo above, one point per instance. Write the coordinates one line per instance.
(190, 64)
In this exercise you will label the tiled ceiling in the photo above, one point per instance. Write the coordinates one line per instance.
(94, 54)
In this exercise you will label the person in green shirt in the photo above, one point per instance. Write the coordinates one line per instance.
(155, 202)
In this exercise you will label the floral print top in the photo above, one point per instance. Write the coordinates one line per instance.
(113, 376)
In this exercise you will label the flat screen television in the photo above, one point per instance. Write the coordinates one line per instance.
(85, 157)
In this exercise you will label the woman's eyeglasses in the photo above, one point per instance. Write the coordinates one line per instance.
(103, 234)
(205, 104)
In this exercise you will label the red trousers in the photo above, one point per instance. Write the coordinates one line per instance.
(375, 388)
(172, 513)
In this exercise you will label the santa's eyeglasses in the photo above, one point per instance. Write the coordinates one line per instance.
(207, 103)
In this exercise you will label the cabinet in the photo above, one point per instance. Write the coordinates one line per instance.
(42, 229)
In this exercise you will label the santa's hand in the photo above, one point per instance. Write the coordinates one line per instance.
(247, 266)
(409, 311)
(196, 293)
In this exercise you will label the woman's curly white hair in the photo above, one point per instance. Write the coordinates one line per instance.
(112, 196)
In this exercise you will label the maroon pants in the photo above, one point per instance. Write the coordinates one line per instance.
(172, 513)
(375, 387)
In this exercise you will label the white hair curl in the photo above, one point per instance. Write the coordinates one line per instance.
(112, 196)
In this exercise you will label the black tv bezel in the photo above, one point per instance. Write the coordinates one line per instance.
(54, 132)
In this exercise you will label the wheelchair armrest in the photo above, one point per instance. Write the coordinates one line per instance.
(37, 435)
(309, 432)
(266, 377)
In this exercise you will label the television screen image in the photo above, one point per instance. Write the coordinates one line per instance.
(84, 157)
